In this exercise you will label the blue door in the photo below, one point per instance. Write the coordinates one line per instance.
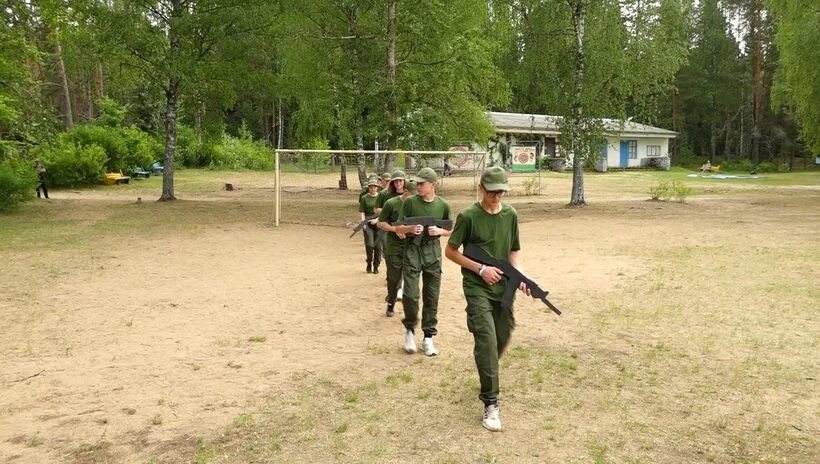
(624, 153)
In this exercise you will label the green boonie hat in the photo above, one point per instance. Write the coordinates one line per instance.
(373, 181)
(385, 176)
(425, 175)
(398, 174)
(494, 179)
(410, 186)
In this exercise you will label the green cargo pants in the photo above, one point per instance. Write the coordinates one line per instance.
(491, 327)
(394, 266)
(421, 260)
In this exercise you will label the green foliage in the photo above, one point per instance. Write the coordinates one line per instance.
(125, 147)
(314, 162)
(766, 167)
(685, 157)
(240, 153)
(72, 165)
(530, 186)
(17, 183)
(743, 165)
(111, 113)
(666, 191)
(797, 79)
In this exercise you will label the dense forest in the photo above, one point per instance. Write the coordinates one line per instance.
(89, 85)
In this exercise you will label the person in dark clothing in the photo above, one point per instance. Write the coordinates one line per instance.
(41, 178)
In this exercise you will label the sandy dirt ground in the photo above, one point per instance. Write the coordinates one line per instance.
(131, 350)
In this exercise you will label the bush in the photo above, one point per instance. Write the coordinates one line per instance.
(665, 191)
(143, 149)
(766, 167)
(71, 165)
(530, 186)
(659, 191)
(314, 161)
(125, 147)
(743, 165)
(17, 184)
(685, 157)
(239, 153)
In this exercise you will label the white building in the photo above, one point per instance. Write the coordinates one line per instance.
(628, 144)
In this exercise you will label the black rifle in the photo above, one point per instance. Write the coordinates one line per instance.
(362, 224)
(425, 221)
(513, 275)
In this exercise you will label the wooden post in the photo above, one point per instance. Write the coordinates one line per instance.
(278, 180)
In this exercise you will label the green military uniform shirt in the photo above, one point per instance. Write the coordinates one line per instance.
(367, 205)
(390, 214)
(416, 206)
(385, 195)
(497, 234)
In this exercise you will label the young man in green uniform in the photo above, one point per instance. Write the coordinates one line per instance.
(394, 248)
(394, 188)
(493, 226)
(367, 205)
(422, 257)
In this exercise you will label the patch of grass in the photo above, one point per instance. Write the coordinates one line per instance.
(399, 377)
(243, 420)
(352, 396)
(205, 452)
(257, 339)
(598, 452)
(34, 442)
(341, 427)
(156, 420)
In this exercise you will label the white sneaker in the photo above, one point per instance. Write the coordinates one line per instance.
(409, 341)
(492, 421)
(428, 346)
(398, 294)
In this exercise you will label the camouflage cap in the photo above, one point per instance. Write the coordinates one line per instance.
(410, 186)
(373, 180)
(425, 175)
(398, 174)
(385, 176)
(494, 179)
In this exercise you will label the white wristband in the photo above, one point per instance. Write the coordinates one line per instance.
(481, 270)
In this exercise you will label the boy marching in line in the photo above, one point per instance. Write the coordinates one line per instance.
(367, 205)
(393, 188)
(422, 257)
(493, 226)
(394, 248)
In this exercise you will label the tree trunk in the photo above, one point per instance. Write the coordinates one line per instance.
(713, 136)
(757, 66)
(68, 118)
(343, 172)
(281, 125)
(99, 82)
(171, 95)
(577, 197)
(361, 159)
(392, 107)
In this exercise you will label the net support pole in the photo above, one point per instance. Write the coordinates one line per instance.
(278, 181)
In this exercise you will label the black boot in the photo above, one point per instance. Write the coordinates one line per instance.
(369, 251)
(389, 312)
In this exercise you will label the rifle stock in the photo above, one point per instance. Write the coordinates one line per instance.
(361, 225)
(513, 275)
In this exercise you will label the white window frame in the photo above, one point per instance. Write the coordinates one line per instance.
(633, 149)
(653, 150)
